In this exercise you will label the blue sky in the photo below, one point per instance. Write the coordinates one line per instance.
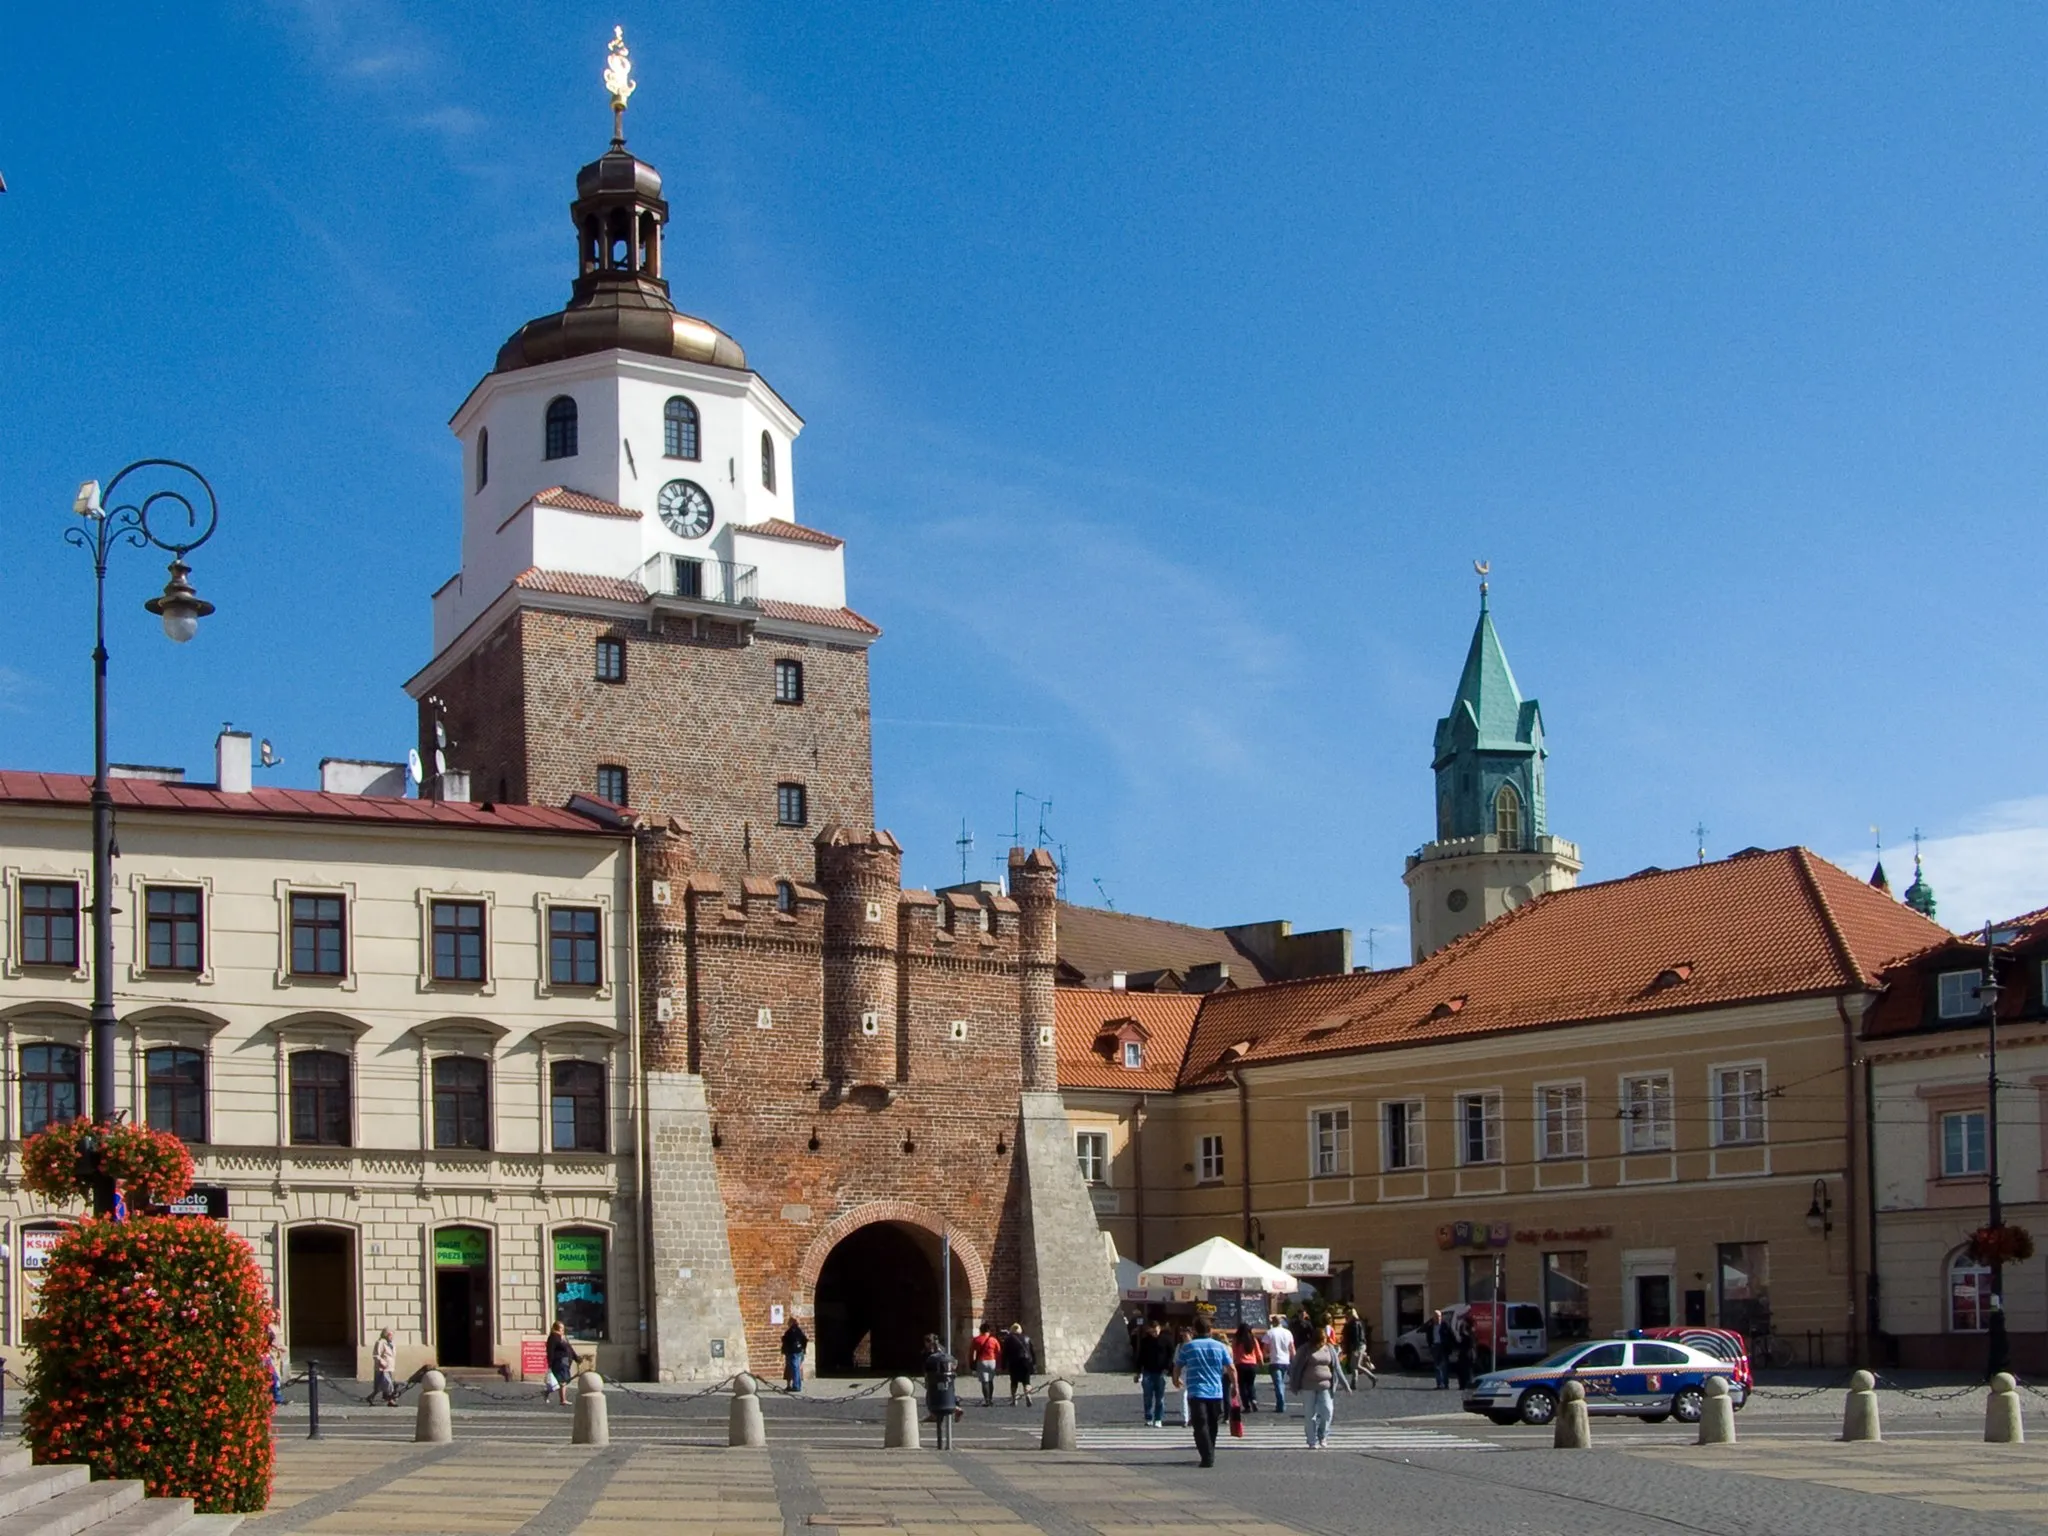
(1164, 367)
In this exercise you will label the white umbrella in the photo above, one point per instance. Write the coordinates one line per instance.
(1214, 1265)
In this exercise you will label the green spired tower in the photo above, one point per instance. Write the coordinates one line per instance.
(1493, 848)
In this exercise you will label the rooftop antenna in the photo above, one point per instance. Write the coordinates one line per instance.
(1017, 799)
(1699, 834)
(1369, 952)
(1062, 893)
(1102, 890)
(1044, 810)
(965, 843)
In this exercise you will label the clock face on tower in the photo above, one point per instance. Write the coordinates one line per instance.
(685, 508)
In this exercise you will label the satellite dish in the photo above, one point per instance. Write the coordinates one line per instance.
(440, 762)
(269, 754)
(413, 768)
(440, 734)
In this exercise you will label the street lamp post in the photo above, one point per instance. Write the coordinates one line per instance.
(1998, 1350)
(160, 492)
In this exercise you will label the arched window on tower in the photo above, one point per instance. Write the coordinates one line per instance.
(483, 457)
(1507, 818)
(561, 428)
(679, 428)
(767, 462)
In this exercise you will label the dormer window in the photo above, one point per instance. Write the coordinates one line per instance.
(561, 433)
(1961, 994)
(767, 463)
(1134, 1054)
(679, 428)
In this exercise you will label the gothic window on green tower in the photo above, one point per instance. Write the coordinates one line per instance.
(1507, 819)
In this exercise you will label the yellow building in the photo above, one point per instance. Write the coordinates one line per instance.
(1627, 1103)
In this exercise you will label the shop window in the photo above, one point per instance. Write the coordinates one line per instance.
(52, 1086)
(1969, 1295)
(176, 1080)
(1565, 1311)
(1745, 1281)
(1482, 1276)
(580, 1285)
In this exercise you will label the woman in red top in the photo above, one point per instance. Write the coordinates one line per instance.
(986, 1351)
(1247, 1354)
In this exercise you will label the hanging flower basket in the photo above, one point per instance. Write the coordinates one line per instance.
(150, 1167)
(2006, 1244)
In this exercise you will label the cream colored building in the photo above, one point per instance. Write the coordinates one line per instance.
(396, 1034)
(1929, 1087)
(1621, 1103)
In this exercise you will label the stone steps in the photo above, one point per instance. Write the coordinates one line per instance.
(65, 1501)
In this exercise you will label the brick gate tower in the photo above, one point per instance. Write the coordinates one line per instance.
(838, 1076)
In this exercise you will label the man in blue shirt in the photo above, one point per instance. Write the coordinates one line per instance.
(1203, 1365)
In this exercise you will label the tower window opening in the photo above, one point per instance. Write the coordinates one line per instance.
(679, 428)
(483, 457)
(791, 805)
(611, 783)
(767, 462)
(1507, 818)
(785, 896)
(561, 433)
(611, 661)
(789, 681)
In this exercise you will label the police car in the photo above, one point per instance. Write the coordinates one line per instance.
(1652, 1379)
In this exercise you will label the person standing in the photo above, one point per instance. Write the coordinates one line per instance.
(795, 1344)
(1180, 1336)
(1155, 1359)
(383, 1361)
(1316, 1373)
(561, 1366)
(1203, 1365)
(1247, 1356)
(274, 1359)
(1279, 1360)
(1443, 1343)
(987, 1353)
(1017, 1358)
(1465, 1345)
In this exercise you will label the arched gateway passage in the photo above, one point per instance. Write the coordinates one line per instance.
(878, 1295)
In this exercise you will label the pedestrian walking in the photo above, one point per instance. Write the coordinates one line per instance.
(1316, 1374)
(1351, 1344)
(1443, 1345)
(561, 1367)
(383, 1361)
(987, 1353)
(795, 1344)
(1279, 1360)
(1017, 1359)
(1180, 1336)
(1155, 1360)
(1204, 1365)
(1465, 1346)
(1247, 1355)
(274, 1360)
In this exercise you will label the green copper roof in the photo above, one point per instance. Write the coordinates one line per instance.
(1920, 895)
(1489, 712)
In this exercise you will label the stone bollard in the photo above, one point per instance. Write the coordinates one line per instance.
(899, 1429)
(743, 1424)
(2002, 1422)
(1859, 1414)
(1573, 1432)
(1059, 1418)
(433, 1423)
(593, 1424)
(1717, 1414)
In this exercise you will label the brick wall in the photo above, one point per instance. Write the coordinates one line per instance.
(695, 724)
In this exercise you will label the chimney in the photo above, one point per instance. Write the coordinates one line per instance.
(452, 784)
(357, 776)
(1118, 980)
(232, 762)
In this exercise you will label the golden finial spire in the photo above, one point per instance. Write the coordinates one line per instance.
(1483, 568)
(618, 80)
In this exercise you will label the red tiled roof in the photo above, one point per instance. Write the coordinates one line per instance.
(1759, 926)
(1909, 983)
(18, 787)
(806, 613)
(1081, 1014)
(575, 501)
(576, 584)
(1094, 943)
(796, 533)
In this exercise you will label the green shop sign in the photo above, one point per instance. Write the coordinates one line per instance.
(578, 1253)
(461, 1248)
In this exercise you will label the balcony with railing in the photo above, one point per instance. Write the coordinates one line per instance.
(725, 582)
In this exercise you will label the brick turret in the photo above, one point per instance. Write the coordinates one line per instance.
(1035, 887)
(667, 860)
(861, 874)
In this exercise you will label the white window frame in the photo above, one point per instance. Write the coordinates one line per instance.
(1979, 1113)
(1134, 1054)
(1492, 1134)
(1414, 1144)
(1209, 1159)
(1567, 1117)
(1974, 1010)
(1750, 1135)
(1329, 1142)
(1655, 1131)
(1091, 1153)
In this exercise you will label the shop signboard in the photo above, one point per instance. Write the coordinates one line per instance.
(201, 1200)
(579, 1253)
(36, 1243)
(533, 1359)
(461, 1248)
(1311, 1262)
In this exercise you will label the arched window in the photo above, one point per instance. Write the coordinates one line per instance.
(462, 1103)
(576, 1106)
(320, 1114)
(767, 462)
(785, 896)
(1507, 817)
(679, 428)
(561, 428)
(1969, 1295)
(483, 457)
